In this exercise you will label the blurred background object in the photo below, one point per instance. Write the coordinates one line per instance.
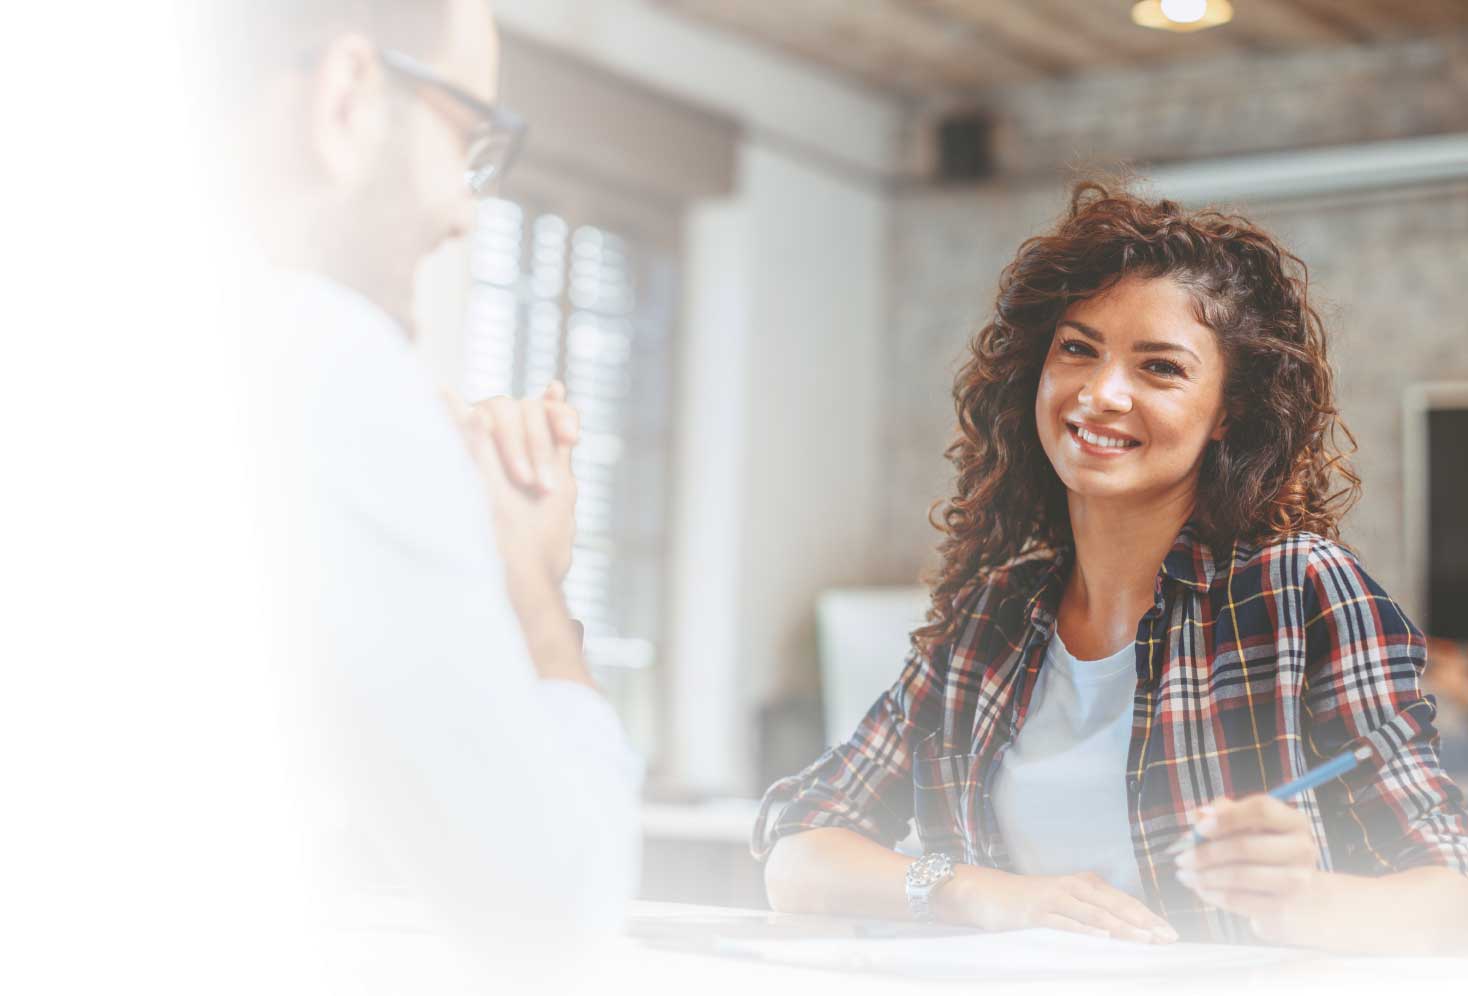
(863, 631)
(754, 236)
(1447, 678)
(1435, 527)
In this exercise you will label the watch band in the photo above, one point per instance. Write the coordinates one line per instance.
(924, 877)
(920, 908)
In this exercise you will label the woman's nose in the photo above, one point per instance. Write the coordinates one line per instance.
(1108, 391)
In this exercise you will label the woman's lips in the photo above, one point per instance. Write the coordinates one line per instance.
(1096, 449)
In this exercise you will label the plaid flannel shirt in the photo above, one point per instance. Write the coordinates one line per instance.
(1250, 671)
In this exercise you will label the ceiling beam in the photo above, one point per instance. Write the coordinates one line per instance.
(791, 39)
(1277, 25)
(1032, 38)
(1343, 16)
(1118, 41)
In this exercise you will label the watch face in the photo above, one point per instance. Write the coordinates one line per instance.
(929, 870)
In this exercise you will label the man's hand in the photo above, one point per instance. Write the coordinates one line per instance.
(534, 521)
(530, 435)
(1259, 861)
(523, 448)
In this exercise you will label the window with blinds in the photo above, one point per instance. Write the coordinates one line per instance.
(554, 297)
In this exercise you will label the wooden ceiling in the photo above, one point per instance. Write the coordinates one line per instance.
(934, 48)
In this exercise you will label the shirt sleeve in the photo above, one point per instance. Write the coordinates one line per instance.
(510, 804)
(1364, 664)
(864, 784)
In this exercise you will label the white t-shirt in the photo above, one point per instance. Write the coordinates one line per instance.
(463, 812)
(1060, 796)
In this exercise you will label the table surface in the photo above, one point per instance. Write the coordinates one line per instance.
(676, 948)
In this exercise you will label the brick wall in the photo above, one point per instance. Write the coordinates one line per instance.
(1390, 268)
(1222, 106)
(1390, 272)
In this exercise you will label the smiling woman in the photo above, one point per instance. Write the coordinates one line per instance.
(1151, 277)
(1144, 622)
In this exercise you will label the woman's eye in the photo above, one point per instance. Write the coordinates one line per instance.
(1163, 368)
(1166, 368)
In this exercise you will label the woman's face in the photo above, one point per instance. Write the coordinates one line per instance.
(1131, 393)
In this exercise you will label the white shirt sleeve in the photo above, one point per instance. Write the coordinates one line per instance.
(508, 804)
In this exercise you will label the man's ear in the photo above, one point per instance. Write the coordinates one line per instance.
(348, 110)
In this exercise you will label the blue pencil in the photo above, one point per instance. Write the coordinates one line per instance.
(1314, 778)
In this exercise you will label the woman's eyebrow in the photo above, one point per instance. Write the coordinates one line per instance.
(1137, 347)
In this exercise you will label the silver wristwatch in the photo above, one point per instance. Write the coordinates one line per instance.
(924, 876)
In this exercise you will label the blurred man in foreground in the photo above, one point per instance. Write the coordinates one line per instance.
(474, 796)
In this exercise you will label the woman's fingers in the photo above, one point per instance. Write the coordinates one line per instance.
(1242, 902)
(1091, 915)
(1278, 880)
(1083, 910)
(1250, 849)
(1258, 858)
(1265, 880)
(1058, 921)
(1253, 814)
(1087, 903)
(1128, 909)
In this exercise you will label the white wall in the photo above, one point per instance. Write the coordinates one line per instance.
(778, 475)
(705, 647)
(813, 390)
(777, 98)
(779, 467)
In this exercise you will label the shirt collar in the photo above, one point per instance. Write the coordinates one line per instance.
(1189, 562)
(311, 293)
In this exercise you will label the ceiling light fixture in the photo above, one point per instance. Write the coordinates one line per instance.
(1182, 15)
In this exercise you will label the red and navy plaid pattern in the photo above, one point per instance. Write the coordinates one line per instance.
(1251, 670)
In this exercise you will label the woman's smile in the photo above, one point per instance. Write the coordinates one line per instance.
(1100, 442)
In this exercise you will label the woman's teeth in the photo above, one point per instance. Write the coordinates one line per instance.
(1108, 441)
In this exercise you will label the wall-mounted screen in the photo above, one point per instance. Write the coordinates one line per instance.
(1435, 521)
(1447, 522)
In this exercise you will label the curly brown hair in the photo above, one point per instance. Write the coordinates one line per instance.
(1277, 470)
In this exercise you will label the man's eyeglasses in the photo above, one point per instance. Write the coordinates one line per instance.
(494, 134)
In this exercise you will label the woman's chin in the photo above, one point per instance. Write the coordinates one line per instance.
(1089, 483)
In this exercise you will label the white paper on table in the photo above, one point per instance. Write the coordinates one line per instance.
(1027, 954)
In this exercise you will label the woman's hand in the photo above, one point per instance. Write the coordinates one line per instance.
(1259, 861)
(1084, 903)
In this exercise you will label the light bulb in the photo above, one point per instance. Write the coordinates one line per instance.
(1184, 11)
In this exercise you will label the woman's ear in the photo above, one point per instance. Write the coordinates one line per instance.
(1220, 428)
